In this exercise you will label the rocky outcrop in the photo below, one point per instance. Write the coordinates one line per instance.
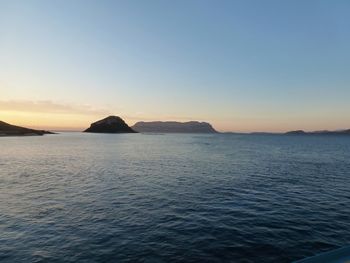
(111, 124)
(7, 129)
(174, 127)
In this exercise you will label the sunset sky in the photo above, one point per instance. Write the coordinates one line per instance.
(241, 65)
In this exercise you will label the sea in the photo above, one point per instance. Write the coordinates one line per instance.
(77, 197)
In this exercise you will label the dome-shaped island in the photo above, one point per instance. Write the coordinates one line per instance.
(111, 124)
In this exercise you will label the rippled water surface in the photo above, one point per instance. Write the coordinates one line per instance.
(78, 197)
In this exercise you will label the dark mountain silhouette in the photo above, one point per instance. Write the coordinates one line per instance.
(298, 132)
(111, 124)
(7, 129)
(174, 127)
(301, 132)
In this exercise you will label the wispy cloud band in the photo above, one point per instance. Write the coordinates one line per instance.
(48, 106)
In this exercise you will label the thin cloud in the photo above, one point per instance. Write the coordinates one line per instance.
(48, 106)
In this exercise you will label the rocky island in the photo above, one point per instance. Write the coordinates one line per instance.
(111, 124)
(174, 127)
(7, 129)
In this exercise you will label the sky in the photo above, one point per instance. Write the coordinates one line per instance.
(242, 65)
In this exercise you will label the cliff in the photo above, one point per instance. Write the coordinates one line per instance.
(174, 127)
(111, 124)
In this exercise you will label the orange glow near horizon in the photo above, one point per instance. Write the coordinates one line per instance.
(79, 122)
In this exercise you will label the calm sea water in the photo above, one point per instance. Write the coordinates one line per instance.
(78, 197)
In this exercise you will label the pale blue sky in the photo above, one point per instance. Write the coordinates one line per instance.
(241, 65)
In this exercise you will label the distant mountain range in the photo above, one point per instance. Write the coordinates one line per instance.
(7, 129)
(301, 132)
(174, 127)
(115, 124)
